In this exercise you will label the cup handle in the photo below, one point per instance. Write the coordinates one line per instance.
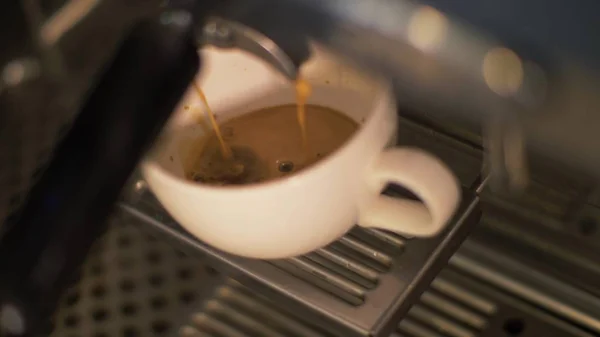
(425, 176)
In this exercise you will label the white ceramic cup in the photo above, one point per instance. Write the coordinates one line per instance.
(308, 210)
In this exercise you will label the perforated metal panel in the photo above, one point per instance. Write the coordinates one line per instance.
(137, 282)
(133, 284)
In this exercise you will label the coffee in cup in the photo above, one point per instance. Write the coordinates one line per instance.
(267, 144)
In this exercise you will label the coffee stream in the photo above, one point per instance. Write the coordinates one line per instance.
(303, 90)
(225, 149)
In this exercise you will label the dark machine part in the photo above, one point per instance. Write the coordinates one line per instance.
(284, 49)
(227, 34)
(67, 209)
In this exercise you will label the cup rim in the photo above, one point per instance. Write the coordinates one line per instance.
(383, 96)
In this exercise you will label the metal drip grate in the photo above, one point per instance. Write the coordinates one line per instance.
(135, 282)
(132, 284)
(449, 309)
(445, 310)
(455, 305)
(237, 311)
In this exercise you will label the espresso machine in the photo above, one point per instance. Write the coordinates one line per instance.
(505, 92)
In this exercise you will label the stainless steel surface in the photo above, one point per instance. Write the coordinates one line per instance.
(540, 289)
(364, 282)
(139, 282)
(465, 304)
(554, 228)
(454, 305)
(228, 34)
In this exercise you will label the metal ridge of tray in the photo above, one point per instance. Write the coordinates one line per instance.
(360, 285)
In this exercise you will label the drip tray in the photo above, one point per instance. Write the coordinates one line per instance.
(136, 283)
(360, 285)
(456, 304)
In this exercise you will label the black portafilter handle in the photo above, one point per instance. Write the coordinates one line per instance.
(67, 209)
